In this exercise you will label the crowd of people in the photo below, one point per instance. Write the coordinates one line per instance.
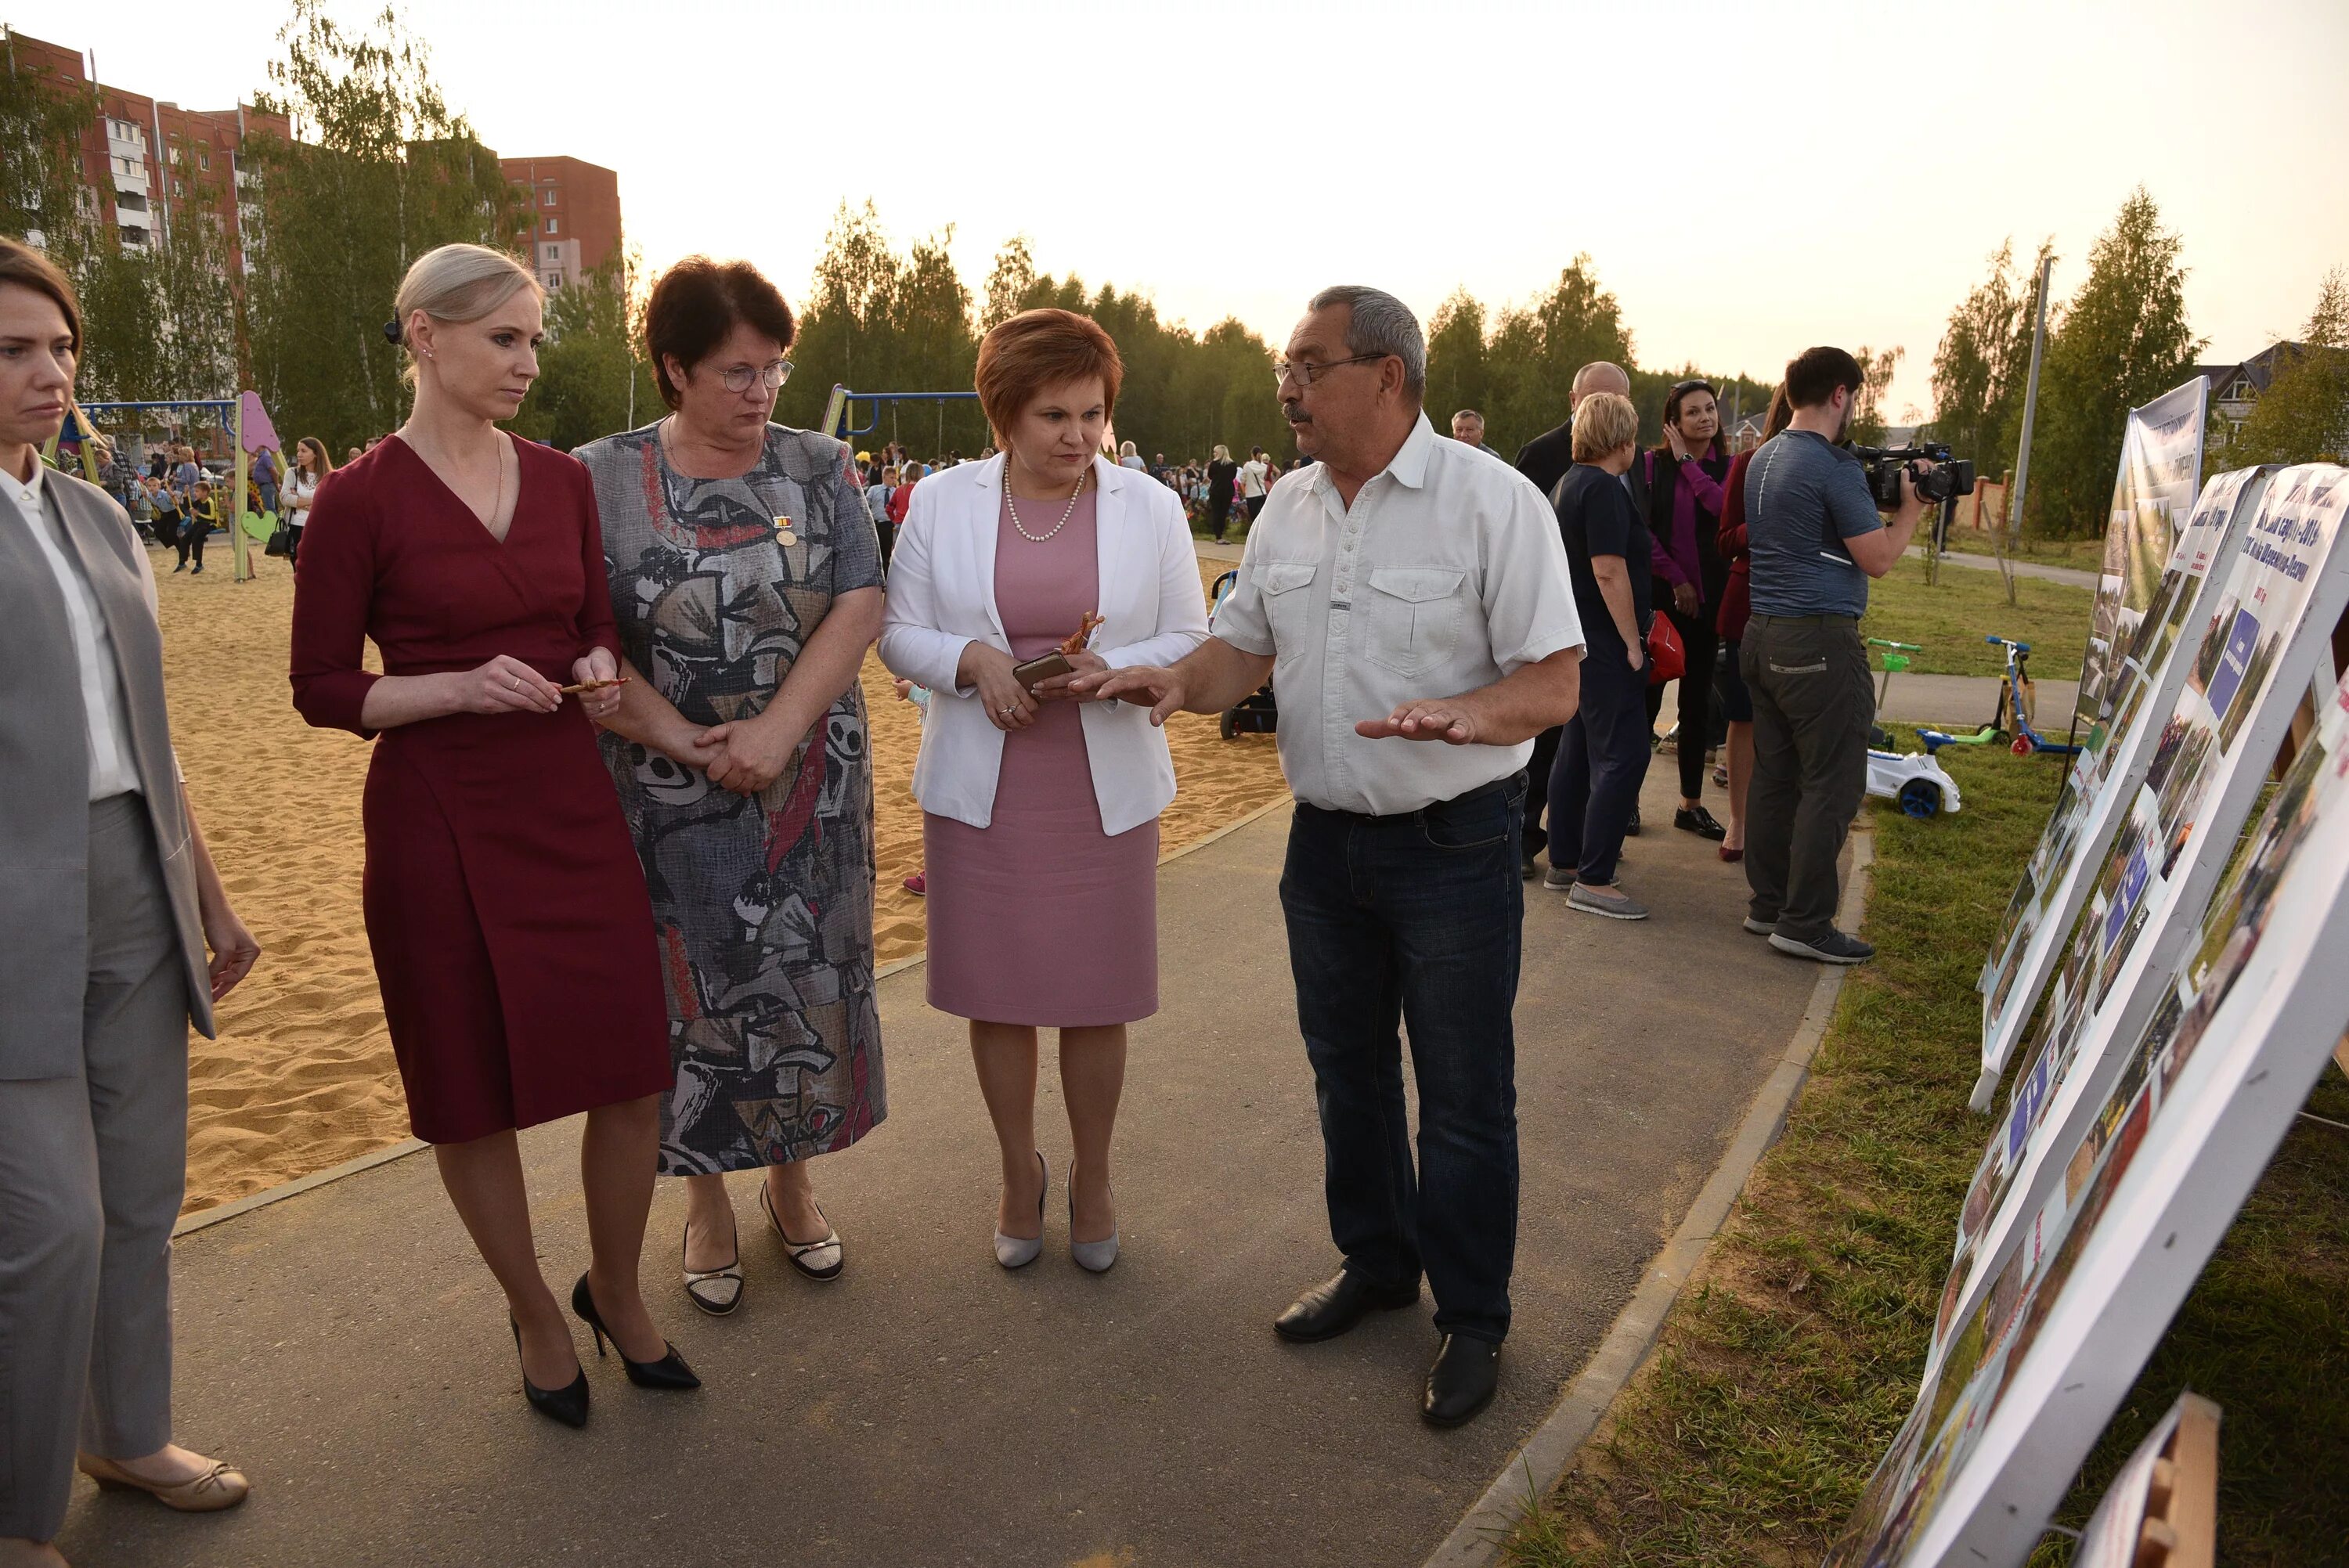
(175, 500)
(1215, 493)
(619, 811)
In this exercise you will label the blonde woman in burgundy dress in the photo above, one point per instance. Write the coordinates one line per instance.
(1041, 808)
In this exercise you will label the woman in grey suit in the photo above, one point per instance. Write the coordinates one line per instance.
(108, 906)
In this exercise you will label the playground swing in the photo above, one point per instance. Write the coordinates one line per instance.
(839, 409)
(248, 423)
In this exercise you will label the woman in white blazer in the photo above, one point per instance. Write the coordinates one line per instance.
(1040, 808)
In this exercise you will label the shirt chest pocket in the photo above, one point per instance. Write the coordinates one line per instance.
(1413, 617)
(1287, 605)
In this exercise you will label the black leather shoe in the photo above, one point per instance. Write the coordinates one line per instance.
(669, 1372)
(1632, 827)
(1698, 821)
(567, 1404)
(1338, 1303)
(1461, 1381)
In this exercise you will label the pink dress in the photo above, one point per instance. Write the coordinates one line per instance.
(1042, 918)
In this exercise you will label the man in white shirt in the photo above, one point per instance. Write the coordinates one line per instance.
(1255, 477)
(1410, 602)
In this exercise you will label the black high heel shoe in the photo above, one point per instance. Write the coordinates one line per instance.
(669, 1372)
(567, 1405)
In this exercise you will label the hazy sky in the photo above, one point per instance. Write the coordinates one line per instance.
(1748, 179)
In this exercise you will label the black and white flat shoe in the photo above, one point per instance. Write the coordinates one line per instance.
(717, 1291)
(818, 1260)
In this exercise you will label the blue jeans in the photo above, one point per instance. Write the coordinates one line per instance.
(1603, 759)
(1415, 919)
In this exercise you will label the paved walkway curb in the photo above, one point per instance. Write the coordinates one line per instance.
(203, 1218)
(1537, 1467)
(2071, 575)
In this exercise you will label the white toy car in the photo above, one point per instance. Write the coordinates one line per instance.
(1913, 779)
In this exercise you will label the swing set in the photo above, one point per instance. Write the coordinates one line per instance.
(242, 417)
(841, 408)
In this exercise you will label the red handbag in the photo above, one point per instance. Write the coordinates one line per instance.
(1667, 660)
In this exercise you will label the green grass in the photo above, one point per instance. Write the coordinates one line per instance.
(1951, 618)
(2086, 555)
(1783, 1373)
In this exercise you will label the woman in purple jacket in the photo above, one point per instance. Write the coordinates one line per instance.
(1678, 487)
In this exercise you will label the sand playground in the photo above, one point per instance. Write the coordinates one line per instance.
(302, 1076)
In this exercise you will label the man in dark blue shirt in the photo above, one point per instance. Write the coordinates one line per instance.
(1815, 539)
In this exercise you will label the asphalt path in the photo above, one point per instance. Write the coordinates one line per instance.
(348, 1351)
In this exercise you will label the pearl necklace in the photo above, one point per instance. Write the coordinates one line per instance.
(1011, 507)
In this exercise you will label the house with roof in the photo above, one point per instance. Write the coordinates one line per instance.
(2236, 390)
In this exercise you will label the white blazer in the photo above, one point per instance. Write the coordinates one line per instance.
(942, 599)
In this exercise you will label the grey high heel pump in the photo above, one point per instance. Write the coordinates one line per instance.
(1093, 1257)
(1018, 1251)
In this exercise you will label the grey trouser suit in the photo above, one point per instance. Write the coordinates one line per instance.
(102, 968)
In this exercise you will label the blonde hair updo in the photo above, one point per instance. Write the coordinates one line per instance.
(457, 284)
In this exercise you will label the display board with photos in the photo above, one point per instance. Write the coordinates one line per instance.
(2179, 1136)
(2161, 469)
(2264, 638)
(2114, 756)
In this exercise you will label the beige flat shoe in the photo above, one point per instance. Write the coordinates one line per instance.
(218, 1487)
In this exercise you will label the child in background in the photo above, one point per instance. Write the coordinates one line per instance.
(168, 523)
(202, 513)
(918, 884)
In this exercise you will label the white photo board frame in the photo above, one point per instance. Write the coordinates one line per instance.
(2241, 670)
(2172, 839)
(2212, 1085)
(2161, 469)
(2112, 762)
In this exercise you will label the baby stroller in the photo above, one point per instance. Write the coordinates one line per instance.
(1256, 712)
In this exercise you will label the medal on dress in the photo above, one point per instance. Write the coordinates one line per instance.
(783, 534)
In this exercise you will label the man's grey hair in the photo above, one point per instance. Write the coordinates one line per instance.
(1381, 324)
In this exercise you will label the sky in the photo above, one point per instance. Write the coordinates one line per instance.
(1748, 179)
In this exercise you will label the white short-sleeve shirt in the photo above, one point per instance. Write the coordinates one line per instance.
(1446, 574)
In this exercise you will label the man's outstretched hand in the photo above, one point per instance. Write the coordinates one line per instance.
(1449, 719)
(1144, 685)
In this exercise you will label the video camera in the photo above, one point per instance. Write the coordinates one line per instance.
(1949, 476)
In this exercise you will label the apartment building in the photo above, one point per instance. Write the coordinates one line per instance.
(574, 216)
(146, 163)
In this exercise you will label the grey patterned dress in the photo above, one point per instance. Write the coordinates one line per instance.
(764, 904)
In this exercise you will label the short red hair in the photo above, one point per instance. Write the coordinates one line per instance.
(1038, 349)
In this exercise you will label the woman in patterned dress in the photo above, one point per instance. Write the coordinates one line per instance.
(746, 580)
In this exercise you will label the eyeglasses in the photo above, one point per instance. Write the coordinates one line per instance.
(771, 377)
(1303, 371)
(1692, 385)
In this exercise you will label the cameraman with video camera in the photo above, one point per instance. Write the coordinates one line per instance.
(1814, 540)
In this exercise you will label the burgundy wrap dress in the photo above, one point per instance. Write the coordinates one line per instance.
(512, 932)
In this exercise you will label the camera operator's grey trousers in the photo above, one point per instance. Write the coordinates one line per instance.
(92, 1170)
(1813, 704)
